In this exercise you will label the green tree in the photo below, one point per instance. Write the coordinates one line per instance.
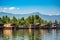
(21, 21)
(37, 19)
(18, 22)
(42, 21)
(1, 21)
(49, 23)
(56, 22)
(59, 22)
(14, 20)
(7, 19)
(28, 20)
(32, 19)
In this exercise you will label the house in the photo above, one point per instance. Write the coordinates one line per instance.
(37, 25)
(58, 26)
(10, 25)
(52, 26)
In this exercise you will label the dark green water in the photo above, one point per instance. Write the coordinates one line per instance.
(28, 34)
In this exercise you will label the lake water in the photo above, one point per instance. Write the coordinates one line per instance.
(30, 34)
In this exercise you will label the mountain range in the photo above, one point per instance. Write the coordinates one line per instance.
(45, 17)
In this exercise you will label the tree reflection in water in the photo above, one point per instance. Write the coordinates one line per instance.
(30, 34)
(7, 34)
(35, 34)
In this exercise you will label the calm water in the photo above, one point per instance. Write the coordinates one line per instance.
(28, 34)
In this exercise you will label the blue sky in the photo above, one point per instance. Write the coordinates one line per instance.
(48, 7)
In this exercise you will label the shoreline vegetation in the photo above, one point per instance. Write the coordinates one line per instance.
(31, 22)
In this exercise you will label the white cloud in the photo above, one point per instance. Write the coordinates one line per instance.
(9, 9)
(43, 10)
(12, 8)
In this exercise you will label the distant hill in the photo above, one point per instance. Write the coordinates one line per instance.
(45, 17)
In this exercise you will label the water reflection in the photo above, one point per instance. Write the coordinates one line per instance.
(7, 34)
(30, 34)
